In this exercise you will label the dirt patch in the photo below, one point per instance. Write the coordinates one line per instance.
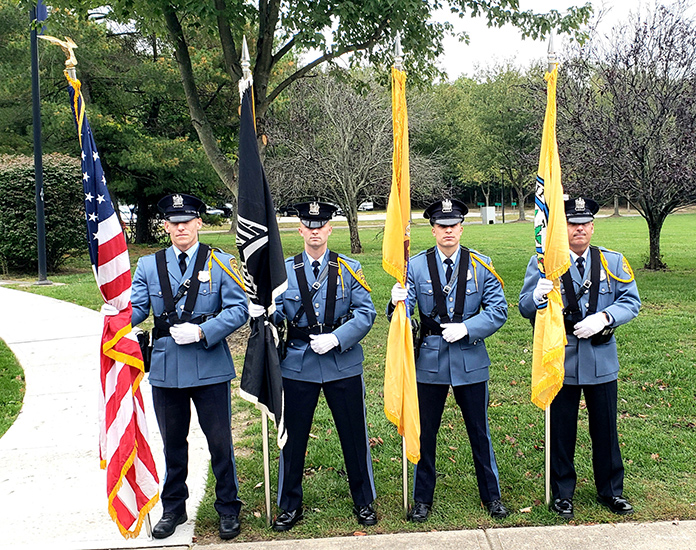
(237, 341)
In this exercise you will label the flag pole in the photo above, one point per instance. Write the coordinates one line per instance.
(552, 60)
(246, 75)
(266, 466)
(399, 64)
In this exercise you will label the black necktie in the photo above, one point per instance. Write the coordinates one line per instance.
(448, 271)
(315, 268)
(182, 262)
(580, 263)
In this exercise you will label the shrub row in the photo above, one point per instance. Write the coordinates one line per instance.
(63, 207)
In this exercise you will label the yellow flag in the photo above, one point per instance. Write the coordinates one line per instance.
(551, 239)
(400, 394)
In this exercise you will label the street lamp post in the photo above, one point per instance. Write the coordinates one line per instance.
(502, 195)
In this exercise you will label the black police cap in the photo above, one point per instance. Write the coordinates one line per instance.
(446, 212)
(580, 210)
(180, 208)
(314, 214)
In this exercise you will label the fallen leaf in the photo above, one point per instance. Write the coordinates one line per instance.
(527, 510)
(259, 484)
(359, 534)
(257, 514)
(313, 436)
(452, 459)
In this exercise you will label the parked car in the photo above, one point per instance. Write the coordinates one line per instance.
(366, 205)
(227, 209)
(127, 212)
(213, 211)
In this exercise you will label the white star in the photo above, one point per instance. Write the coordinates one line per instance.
(95, 156)
(83, 155)
(100, 199)
(89, 197)
(93, 217)
(95, 236)
(85, 176)
(104, 179)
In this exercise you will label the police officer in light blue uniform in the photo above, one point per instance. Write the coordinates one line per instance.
(197, 299)
(461, 302)
(599, 294)
(328, 310)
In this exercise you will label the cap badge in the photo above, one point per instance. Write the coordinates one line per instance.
(579, 204)
(177, 201)
(314, 209)
(446, 206)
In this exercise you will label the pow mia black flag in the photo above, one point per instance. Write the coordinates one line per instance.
(263, 268)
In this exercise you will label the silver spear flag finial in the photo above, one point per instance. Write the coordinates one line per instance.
(553, 60)
(398, 52)
(246, 80)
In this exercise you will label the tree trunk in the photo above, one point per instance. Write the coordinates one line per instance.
(655, 260)
(616, 206)
(142, 224)
(352, 217)
(520, 203)
(222, 166)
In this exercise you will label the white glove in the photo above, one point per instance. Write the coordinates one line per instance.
(108, 309)
(543, 287)
(256, 310)
(185, 333)
(452, 332)
(399, 293)
(590, 325)
(321, 343)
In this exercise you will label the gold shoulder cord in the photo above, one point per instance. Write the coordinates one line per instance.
(626, 268)
(234, 272)
(359, 275)
(488, 267)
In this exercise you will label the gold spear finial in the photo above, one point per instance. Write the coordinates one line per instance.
(67, 46)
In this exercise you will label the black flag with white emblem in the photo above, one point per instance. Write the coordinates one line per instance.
(263, 268)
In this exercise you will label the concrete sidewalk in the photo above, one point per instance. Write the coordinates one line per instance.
(53, 493)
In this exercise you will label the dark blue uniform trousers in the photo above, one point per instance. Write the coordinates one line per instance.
(173, 411)
(346, 399)
(606, 454)
(473, 402)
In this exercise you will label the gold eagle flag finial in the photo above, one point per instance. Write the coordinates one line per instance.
(67, 46)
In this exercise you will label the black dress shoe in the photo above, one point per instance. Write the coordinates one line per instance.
(366, 514)
(618, 504)
(167, 525)
(497, 509)
(286, 520)
(420, 512)
(563, 507)
(229, 526)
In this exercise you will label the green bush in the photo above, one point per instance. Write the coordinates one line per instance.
(63, 207)
(212, 219)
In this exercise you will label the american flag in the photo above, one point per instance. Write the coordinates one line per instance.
(131, 476)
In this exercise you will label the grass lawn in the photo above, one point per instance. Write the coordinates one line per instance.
(12, 388)
(657, 399)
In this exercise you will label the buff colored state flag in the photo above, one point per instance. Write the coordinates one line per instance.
(400, 394)
(551, 239)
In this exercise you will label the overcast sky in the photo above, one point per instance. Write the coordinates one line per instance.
(491, 45)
